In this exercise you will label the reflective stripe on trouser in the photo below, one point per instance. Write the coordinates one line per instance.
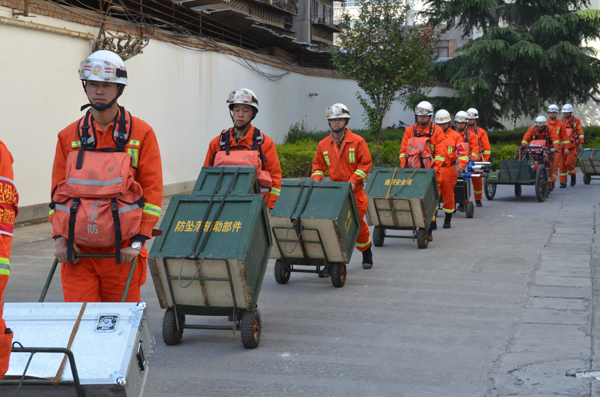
(363, 242)
(449, 178)
(477, 188)
(100, 280)
(567, 165)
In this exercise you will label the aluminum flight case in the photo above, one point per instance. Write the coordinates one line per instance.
(112, 347)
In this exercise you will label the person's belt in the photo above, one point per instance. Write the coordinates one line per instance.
(449, 165)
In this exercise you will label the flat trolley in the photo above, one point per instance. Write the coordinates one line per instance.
(402, 199)
(314, 226)
(212, 256)
(589, 162)
(532, 165)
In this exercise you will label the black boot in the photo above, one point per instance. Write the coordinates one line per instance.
(433, 225)
(552, 185)
(367, 258)
(573, 180)
(430, 232)
(461, 207)
(448, 220)
(563, 185)
(478, 203)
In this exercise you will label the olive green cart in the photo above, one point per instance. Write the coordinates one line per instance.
(402, 199)
(589, 162)
(213, 254)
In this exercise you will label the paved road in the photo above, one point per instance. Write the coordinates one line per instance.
(502, 304)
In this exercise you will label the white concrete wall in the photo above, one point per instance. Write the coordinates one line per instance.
(181, 93)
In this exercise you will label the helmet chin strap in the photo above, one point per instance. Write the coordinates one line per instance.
(338, 129)
(426, 122)
(103, 107)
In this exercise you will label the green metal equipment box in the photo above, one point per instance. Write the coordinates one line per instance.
(513, 172)
(328, 215)
(239, 244)
(589, 161)
(412, 197)
(245, 183)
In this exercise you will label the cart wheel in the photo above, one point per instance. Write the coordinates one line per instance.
(541, 183)
(423, 238)
(518, 190)
(490, 190)
(470, 209)
(338, 274)
(587, 179)
(378, 236)
(251, 327)
(169, 329)
(282, 272)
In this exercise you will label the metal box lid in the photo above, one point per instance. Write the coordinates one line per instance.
(245, 183)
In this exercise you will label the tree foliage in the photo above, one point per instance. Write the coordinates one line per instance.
(387, 59)
(531, 53)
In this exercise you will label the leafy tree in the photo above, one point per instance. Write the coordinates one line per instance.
(387, 59)
(531, 53)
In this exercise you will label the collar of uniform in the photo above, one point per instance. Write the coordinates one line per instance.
(348, 138)
(100, 133)
(246, 140)
(424, 129)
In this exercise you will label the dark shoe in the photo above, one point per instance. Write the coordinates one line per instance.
(563, 185)
(447, 221)
(461, 207)
(573, 180)
(433, 225)
(478, 203)
(367, 258)
(552, 185)
(430, 234)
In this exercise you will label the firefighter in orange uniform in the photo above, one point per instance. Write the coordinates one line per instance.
(542, 131)
(104, 78)
(471, 142)
(484, 151)
(562, 137)
(259, 149)
(455, 160)
(348, 159)
(9, 201)
(423, 147)
(573, 145)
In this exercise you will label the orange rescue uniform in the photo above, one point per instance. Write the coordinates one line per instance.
(484, 155)
(549, 135)
(562, 137)
(574, 137)
(437, 141)
(351, 162)
(9, 199)
(453, 153)
(100, 280)
(269, 150)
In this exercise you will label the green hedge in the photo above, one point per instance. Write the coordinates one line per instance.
(296, 158)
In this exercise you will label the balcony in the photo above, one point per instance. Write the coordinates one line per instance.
(291, 6)
(326, 23)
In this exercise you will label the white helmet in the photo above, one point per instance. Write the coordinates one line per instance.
(442, 116)
(461, 117)
(567, 108)
(243, 96)
(105, 66)
(424, 109)
(540, 121)
(472, 113)
(553, 108)
(337, 111)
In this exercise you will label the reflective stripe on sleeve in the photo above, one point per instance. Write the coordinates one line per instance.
(51, 212)
(402, 155)
(439, 158)
(318, 173)
(151, 209)
(474, 154)
(4, 266)
(275, 191)
(566, 142)
(555, 142)
(360, 173)
(466, 158)
(524, 143)
(487, 152)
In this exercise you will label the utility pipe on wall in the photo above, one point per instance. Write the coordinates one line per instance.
(46, 28)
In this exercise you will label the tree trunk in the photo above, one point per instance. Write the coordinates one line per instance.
(379, 124)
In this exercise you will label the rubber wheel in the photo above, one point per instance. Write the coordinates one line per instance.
(338, 274)
(541, 183)
(378, 236)
(518, 190)
(490, 190)
(251, 327)
(282, 272)
(470, 209)
(587, 179)
(422, 238)
(171, 336)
